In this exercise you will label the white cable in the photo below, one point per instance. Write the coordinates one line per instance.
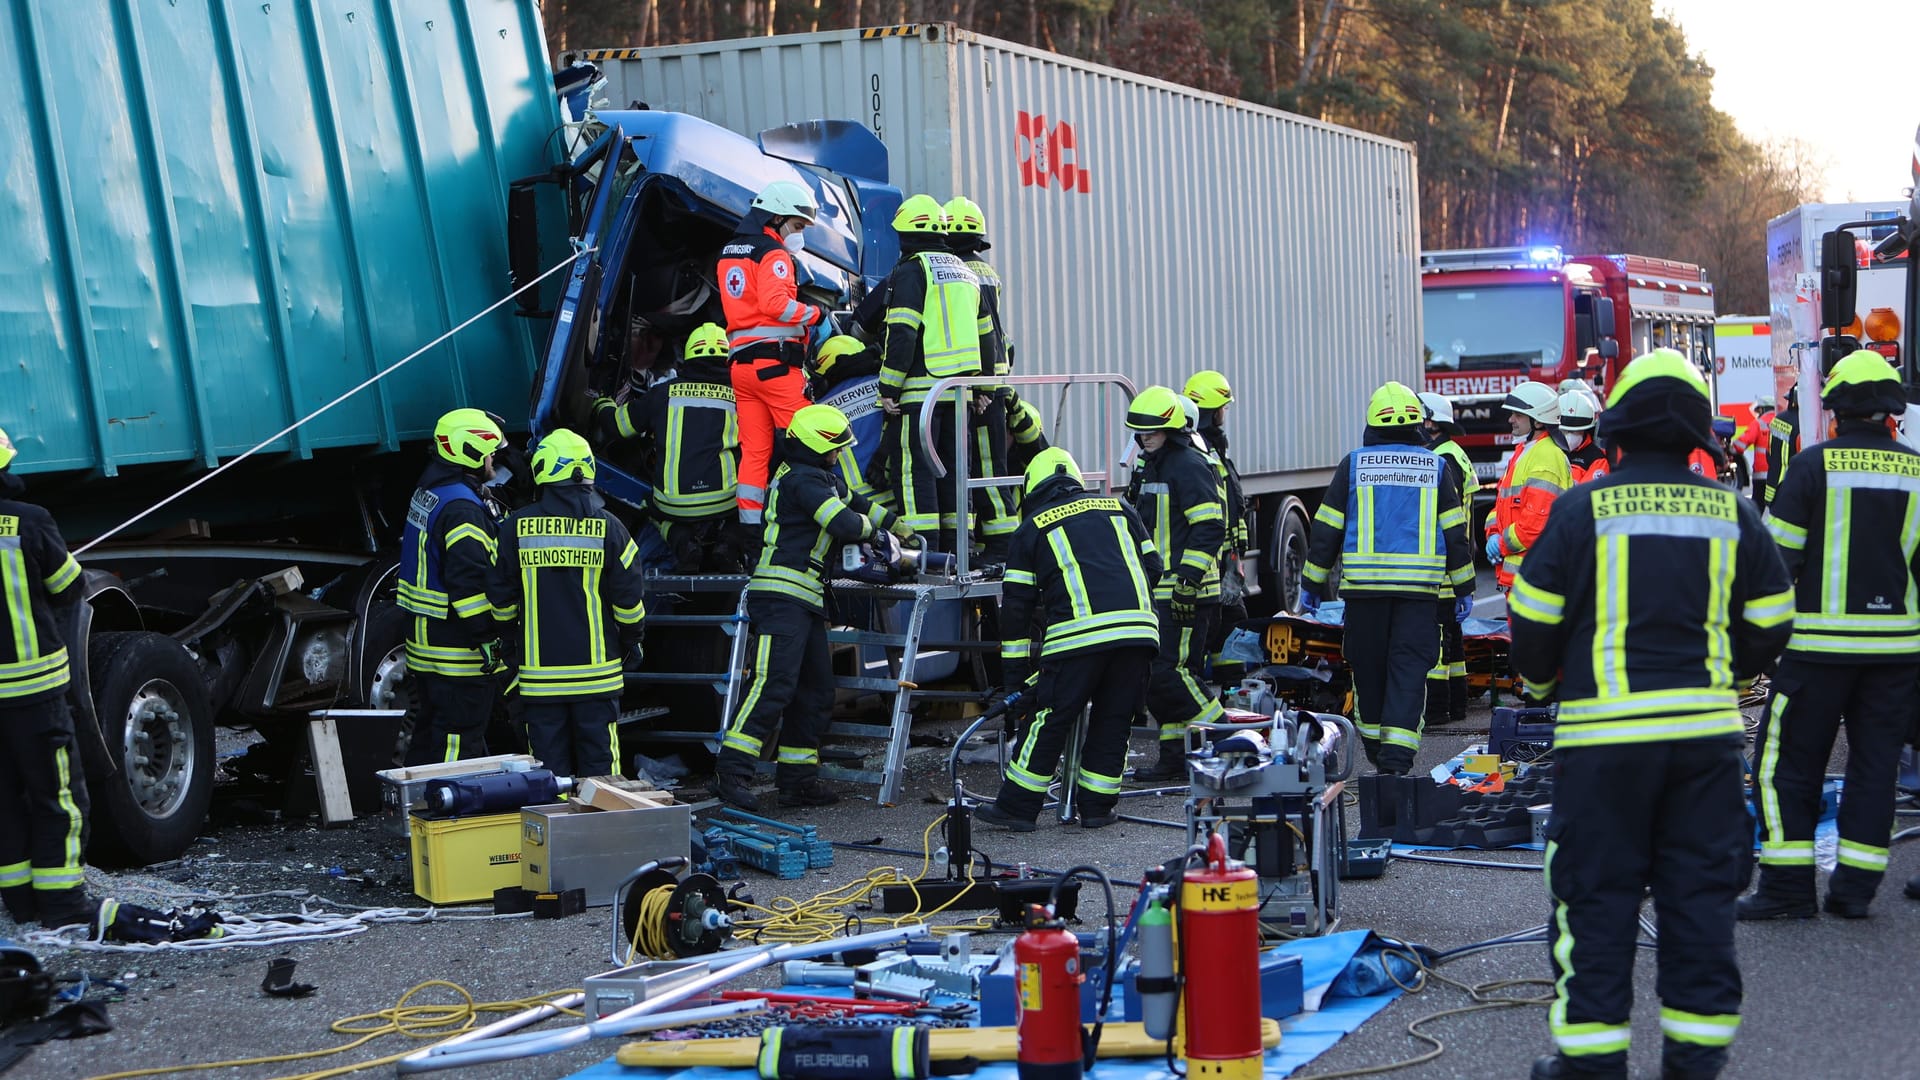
(259, 931)
(303, 421)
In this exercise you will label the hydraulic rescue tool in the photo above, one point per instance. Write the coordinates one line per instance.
(493, 793)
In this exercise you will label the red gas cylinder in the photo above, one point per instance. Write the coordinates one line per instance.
(1047, 957)
(1220, 959)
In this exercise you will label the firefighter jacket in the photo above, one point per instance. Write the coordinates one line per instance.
(695, 434)
(1848, 525)
(1460, 474)
(1392, 517)
(1652, 598)
(1783, 442)
(446, 560)
(1176, 492)
(996, 348)
(36, 573)
(1085, 566)
(1238, 522)
(934, 325)
(568, 573)
(1587, 462)
(1537, 474)
(810, 514)
(760, 294)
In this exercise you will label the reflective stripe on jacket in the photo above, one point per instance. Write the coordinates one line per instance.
(35, 574)
(1537, 474)
(760, 291)
(568, 575)
(446, 559)
(1394, 519)
(934, 325)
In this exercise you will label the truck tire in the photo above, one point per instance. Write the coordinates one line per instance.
(1286, 557)
(383, 666)
(158, 727)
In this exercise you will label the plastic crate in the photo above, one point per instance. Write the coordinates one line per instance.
(462, 860)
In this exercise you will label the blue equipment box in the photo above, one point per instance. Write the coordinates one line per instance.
(1282, 987)
(997, 1005)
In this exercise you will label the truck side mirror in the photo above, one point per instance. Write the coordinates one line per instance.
(1609, 349)
(1603, 316)
(1839, 280)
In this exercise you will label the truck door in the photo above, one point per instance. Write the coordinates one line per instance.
(610, 170)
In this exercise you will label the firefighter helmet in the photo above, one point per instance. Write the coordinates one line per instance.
(1394, 405)
(822, 429)
(1534, 399)
(1049, 463)
(1576, 411)
(7, 452)
(835, 349)
(787, 198)
(467, 437)
(964, 217)
(1864, 384)
(707, 342)
(1439, 409)
(1156, 409)
(1658, 364)
(563, 457)
(920, 214)
(1209, 390)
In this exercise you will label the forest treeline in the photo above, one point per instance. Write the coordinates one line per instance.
(1587, 123)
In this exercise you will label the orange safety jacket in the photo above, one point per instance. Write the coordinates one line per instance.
(761, 297)
(1588, 462)
(1537, 474)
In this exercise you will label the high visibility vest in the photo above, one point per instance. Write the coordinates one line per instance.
(1537, 474)
(1393, 534)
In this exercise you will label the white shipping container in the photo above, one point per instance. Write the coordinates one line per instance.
(1140, 226)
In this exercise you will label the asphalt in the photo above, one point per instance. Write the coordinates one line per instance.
(1824, 998)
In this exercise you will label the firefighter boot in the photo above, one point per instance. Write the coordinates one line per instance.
(733, 791)
(1172, 763)
(1847, 907)
(808, 792)
(1779, 897)
(993, 814)
(1558, 1067)
(1096, 811)
(65, 907)
(20, 904)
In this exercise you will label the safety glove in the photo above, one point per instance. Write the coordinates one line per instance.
(909, 539)
(1462, 609)
(1186, 597)
(493, 656)
(1496, 551)
(635, 656)
(1309, 601)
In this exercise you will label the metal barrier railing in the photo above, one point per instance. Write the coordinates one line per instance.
(961, 389)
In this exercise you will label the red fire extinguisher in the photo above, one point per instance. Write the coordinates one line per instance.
(1047, 957)
(1220, 920)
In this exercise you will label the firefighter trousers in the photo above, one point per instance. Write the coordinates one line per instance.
(790, 693)
(1667, 815)
(1809, 700)
(450, 716)
(1174, 691)
(927, 503)
(1447, 681)
(43, 798)
(1389, 645)
(766, 394)
(996, 508)
(574, 736)
(1111, 681)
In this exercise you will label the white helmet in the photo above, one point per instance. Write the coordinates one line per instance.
(1576, 411)
(1192, 409)
(1439, 409)
(1583, 388)
(1535, 399)
(786, 198)
(1763, 402)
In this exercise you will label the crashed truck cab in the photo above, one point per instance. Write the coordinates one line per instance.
(650, 203)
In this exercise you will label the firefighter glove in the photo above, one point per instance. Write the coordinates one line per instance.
(493, 656)
(1186, 595)
(1462, 609)
(636, 655)
(909, 539)
(1496, 552)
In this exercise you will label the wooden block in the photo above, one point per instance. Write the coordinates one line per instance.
(601, 795)
(284, 581)
(329, 772)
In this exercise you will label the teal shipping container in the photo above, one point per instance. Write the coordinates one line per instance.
(216, 216)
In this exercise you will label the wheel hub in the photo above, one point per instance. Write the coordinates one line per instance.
(158, 748)
(386, 693)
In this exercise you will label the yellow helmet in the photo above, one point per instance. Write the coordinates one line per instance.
(1659, 364)
(1156, 409)
(7, 452)
(964, 217)
(1863, 383)
(1395, 405)
(707, 342)
(563, 457)
(1209, 390)
(822, 429)
(835, 349)
(467, 437)
(920, 214)
(1050, 463)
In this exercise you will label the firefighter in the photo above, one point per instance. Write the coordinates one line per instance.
(694, 432)
(1753, 438)
(446, 562)
(1648, 780)
(934, 329)
(1176, 492)
(567, 574)
(768, 329)
(1783, 441)
(43, 808)
(1537, 473)
(1211, 394)
(1843, 520)
(1082, 567)
(1392, 517)
(1585, 460)
(998, 508)
(810, 512)
(1447, 682)
(1029, 435)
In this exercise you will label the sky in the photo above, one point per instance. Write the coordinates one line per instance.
(1767, 56)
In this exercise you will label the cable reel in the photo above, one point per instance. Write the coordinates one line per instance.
(663, 917)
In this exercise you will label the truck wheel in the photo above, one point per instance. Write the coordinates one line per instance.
(384, 664)
(158, 728)
(1287, 554)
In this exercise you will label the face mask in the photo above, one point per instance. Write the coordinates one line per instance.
(796, 243)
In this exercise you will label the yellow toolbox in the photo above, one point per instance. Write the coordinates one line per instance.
(460, 860)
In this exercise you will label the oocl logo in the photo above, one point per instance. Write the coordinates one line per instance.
(1049, 154)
